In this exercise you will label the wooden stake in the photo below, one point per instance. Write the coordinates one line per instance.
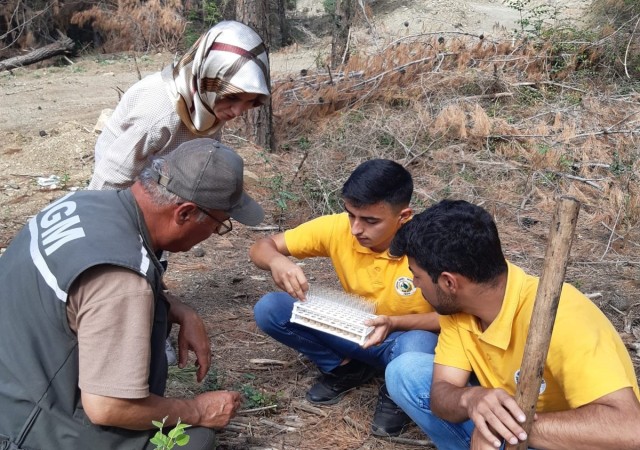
(544, 310)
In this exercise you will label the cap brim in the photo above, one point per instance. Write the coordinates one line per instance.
(247, 211)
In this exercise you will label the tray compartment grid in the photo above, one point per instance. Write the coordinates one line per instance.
(335, 312)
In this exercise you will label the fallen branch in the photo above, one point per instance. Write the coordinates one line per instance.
(371, 27)
(439, 33)
(277, 425)
(398, 69)
(617, 262)
(626, 52)
(310, 409)
(355, 424)
(269, 362)
(484, 96)
(552, 83)
(416, 442)
(64, 45)
(628, 321)
(613, 232)
(584, 180)
(542, 136)
(237, 421)
(252, 410)
(265, 228)
(604, 132)
(235, 427)
(618, 235)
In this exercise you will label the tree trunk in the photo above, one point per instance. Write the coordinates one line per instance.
(341, 26)
(285, 34)
(255, 13)
(60, 47)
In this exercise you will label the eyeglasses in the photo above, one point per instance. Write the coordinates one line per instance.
(224, 226)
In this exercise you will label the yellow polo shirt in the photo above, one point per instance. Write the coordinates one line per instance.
(375, 276)
(586, 359)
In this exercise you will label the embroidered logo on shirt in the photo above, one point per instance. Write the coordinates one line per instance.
(404, 286)
(543, 385)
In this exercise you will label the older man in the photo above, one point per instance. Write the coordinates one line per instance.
(84, 317)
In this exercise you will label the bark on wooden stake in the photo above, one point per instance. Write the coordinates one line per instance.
(544, 309)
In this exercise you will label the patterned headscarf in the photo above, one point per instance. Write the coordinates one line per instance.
(229, 59)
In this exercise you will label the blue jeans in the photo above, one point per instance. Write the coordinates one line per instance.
(273, 312)
(408, 379)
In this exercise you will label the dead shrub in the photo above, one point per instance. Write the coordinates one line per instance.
(451, 122)
(420, 103)
(134, 25)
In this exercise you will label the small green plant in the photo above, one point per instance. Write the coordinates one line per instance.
(280, 192)
(565, 162)
(618, 166)
(543, 149)
(304, 144)
(104, 61)
(549, 179)
(186, 378)
(529, 96)
(266, 157)
(255, 398)
(532, 17)
(386, 140)
(212, 381)
(320, 59)
(176, 435)
(468, 175)
(64, 180)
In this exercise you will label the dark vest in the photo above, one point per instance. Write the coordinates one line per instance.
(40, 404)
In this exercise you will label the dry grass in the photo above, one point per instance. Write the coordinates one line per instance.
(509, 126)
(132, 25)
(468, 110)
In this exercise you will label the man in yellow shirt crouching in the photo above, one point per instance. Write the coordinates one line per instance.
(376, 201)
(589, 393)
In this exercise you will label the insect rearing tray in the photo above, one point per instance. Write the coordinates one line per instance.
(335, 312)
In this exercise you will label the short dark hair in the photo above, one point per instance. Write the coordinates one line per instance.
(453, 236)
(378, 180)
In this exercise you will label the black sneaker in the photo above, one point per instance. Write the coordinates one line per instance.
(389, 419)
(331, 386)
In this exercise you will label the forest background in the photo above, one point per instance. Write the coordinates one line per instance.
(508, 105)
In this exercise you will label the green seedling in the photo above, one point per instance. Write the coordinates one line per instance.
(176, 435)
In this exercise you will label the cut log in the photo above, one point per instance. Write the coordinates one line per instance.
(61, 47)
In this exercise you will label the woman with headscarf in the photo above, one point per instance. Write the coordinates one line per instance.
(225, 73)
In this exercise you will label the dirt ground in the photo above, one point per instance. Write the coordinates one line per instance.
(47, 118)
(48, 115)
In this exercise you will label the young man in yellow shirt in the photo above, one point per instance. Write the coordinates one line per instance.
(376, 201)
(589, 393)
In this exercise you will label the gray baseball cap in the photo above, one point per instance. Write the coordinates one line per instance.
(210, 174)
